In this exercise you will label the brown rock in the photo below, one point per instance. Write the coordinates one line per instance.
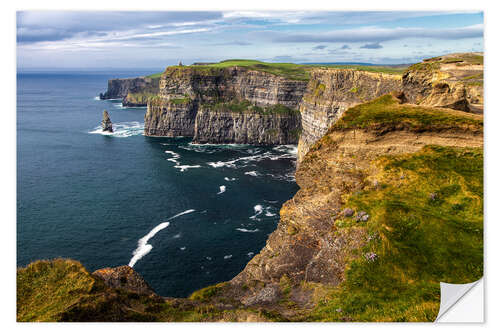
(107, 125)
(124, 277)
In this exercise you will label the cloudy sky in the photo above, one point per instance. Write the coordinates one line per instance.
(106, 39)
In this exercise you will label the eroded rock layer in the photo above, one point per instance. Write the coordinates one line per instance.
(225, 105)
(133, 91)
(332, 91)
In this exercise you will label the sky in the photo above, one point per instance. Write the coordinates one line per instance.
(111, 39)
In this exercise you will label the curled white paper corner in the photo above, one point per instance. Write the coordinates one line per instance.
(461, 302)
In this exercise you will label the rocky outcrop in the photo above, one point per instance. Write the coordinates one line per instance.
(107, 125)
(198, 102)
(133, 91)
(332, 91)
(451, 81)
(124, 277)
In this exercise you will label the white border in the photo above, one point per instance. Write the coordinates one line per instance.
(8, 167)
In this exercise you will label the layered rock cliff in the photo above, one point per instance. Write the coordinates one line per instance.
(368, 198)
(133, 91)
(452, 81)
(390, 204)
(390, 201)
(332, 91)
(226, 105)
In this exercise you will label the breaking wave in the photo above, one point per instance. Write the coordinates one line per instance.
(277, 153)
(122, 130)
(143, 247)
(175, 157)
(247, 230)
(222, 189)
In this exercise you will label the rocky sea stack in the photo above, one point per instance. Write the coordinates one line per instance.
(107, 125)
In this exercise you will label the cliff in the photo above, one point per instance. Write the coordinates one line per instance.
(390, 204)
(133, 91)
(452, 81)
(369, 230)
(226, 105)
(332, 91)
(390, 200)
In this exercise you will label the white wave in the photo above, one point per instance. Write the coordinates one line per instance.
(222, 189)
(229, 179)
(182, 248)
(246, 230)
(289, 149)
(97, 98)
(250, 254)
(249, 159)
(252, 173)
(229, 256)
(219, 164)
(258, 209)
(208, 258)
(122, 130)
(268, 213)
(174, 154)
(177, 236)
(185, 167)
(143, 247)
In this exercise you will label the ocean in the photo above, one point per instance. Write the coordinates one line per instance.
(184, 216)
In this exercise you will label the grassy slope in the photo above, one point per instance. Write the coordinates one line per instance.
(426, 225)
(386, 113)
(63, 290)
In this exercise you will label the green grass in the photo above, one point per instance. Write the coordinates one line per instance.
(386, 113)
(371, 68)
(207, 293)
(288, 70)
(155, 76)
(426, 222)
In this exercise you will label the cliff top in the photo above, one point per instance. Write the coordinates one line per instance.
(386, 113)
(290, 71)
(466, 67)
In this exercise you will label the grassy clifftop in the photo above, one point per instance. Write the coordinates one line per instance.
(425, 226)
(386, 112)
(288, 70)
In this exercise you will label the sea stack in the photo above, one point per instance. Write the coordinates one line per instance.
(107, 125)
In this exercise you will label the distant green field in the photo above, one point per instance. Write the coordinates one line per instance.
(289, 70)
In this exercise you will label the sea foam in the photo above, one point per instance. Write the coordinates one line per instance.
(222, 189)
(122, 130)
(247, 230)
(143, 247)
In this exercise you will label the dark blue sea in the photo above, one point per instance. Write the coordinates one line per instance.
(185, 216)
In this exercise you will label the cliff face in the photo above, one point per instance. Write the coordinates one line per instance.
(214, 126)
(332, 91)
(368, 189)
(224, 105)
(170, 118)
(133, 91)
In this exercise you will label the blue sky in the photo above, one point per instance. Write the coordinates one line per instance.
(107, 39)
